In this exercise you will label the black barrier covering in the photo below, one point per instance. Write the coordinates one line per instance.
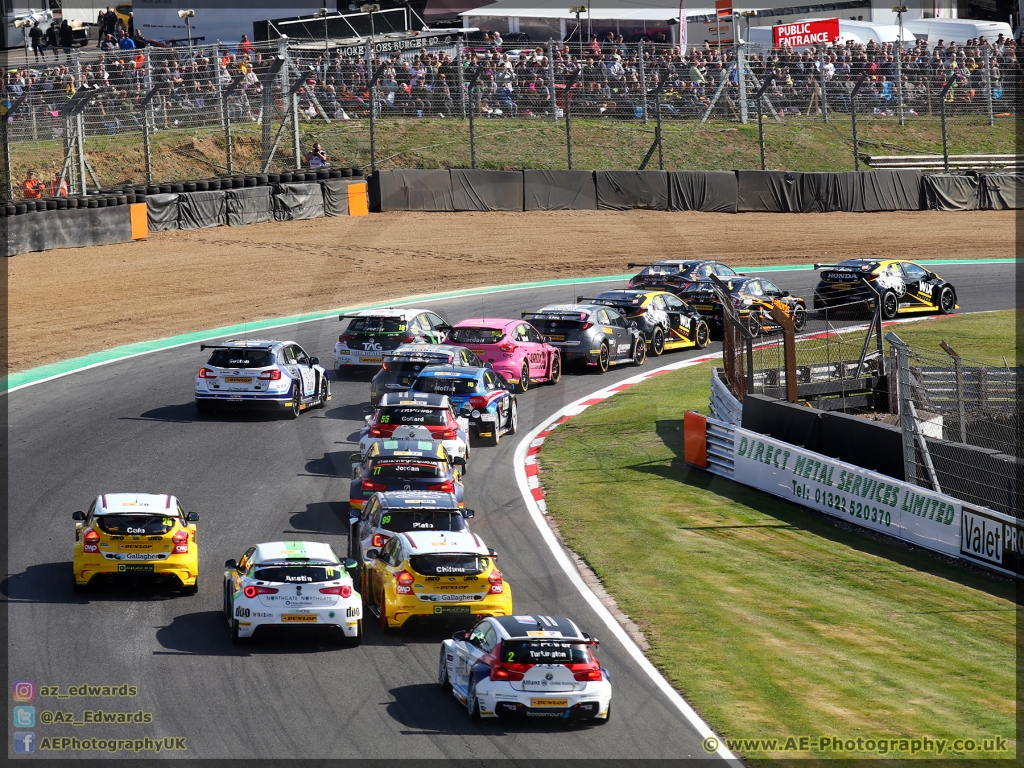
(988, 482)
(163, 211)
(713, 191)
(335, 192)
(895, 190)
(74, 228)
(298, 201)
(487, 190)
(559, 191)
(791, 423)
(627, 190)
(1002, 191)
(950, 192)
(411, 190)
(197, 210)
(819, 192)
(768, 191)
(249, 205)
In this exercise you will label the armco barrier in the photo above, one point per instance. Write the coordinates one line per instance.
(867, 499)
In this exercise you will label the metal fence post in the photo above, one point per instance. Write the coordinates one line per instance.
(8, 177)
(472, 127)
(551, 78)
(988, 85)
(741, 78)
(913, 439)
(569, 85)
(942, 112)
(958, 377)
(146, 118)
(462, 81)
(899, 80)
(760, 130)
(661, 149)
(821, 72)
(853, 118)
(643, 79)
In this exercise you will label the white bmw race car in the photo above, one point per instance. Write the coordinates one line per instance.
(373, 332)
(526, 666)
(417, 416)
(292, 584)
(261, 374)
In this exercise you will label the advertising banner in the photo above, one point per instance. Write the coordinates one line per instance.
(871, 500)
(804, 33)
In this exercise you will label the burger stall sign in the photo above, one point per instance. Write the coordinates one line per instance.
(803, 33)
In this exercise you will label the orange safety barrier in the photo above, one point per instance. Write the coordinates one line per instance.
(358, 203)
(695, 441)
(140, 221)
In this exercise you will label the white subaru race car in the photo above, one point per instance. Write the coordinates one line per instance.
(292, 584)
(373, 332)
(526, 666)
(261, 374)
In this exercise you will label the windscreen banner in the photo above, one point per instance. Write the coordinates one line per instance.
(871, 500)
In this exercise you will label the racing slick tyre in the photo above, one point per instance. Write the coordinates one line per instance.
(513, 419)
(604, 720)
(323, 393)
(658, 342)
(640, 352)
(524, 378)
(495, 437)
(296, 404)
(556, 369)
(603, 358)
(890, 305)
(442, 671)
(799, 318)
(192, 590)
(947, 301)
(235, 637)
(204, 408)
(472, 703)
(702, 335)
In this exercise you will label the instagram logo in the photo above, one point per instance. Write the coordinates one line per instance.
(24, 690)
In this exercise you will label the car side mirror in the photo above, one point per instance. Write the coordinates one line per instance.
(353, 517)
(932, 276)
(462, 634)
(459, 461)
(492, 553)
(373, 554)
(314, 361)
(785, 293)
(510, 387)
(350, 564)
(466, 410)
(79, 515)
(192, 517)
(230, 563)
(546, 339)
(368, 409)
(468, 513)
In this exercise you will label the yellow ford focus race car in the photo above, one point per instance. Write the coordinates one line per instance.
(136, 536)
(905, 287)
(434, 575)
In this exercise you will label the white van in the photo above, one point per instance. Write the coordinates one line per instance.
(957, 31)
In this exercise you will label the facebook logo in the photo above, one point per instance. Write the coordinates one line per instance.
(24, 741)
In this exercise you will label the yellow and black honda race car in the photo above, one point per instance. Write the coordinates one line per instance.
(752, 297)
(666, 321)
(904, 286)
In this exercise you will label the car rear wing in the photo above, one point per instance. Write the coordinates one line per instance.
(585, 640)
(573, 317)
(819, 265)
(263, 348)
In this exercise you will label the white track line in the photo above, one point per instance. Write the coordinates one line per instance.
(533, 496)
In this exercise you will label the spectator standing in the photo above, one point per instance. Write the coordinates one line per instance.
(32, 188)
(36, 36)
(138, 39)
(317, 158)
(245, 47)
(51, 38)
(125, 43)
(131, 24)
(101, 26)
(67, 37)
(59, 186)
(110, 20)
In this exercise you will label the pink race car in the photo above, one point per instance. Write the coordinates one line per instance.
(513, 348)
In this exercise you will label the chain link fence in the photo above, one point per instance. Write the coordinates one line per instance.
(208, 109)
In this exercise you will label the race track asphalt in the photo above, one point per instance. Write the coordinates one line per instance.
(131, 425)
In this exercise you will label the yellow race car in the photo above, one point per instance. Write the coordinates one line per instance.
(904, 287)
(666, 321)
(136, 535)
(434, 575)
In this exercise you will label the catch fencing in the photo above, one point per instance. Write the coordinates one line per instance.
(165, 113)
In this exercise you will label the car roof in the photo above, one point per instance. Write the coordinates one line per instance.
(386, 449)
(525, 626)
(417, 399)
(491, 323)
(431, 542)
(418, 500)
(451, 372)
(136, 504)
(293, 551)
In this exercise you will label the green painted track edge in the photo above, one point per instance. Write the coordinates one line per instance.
(43, 373)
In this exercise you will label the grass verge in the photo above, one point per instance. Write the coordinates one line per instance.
(774, 621)
(985, 337)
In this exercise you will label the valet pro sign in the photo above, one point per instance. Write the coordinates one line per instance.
(803, 33)
(872, 500)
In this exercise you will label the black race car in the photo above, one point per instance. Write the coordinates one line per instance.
(590, 334)
(905, 287)
(675, 275)
(751, 296)
(666, 321)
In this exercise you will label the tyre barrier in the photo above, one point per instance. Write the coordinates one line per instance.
(137, 209)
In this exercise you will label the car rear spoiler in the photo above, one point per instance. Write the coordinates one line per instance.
(585, 640)
(203, 347)
(819, 265)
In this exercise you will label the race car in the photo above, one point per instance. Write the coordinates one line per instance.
(526, 666)
(434, 575)
(261, 374)
(666, 321)
(513, 348)
(751, 296)
(288, 584)
(435, 413)
(675, 275)
(590, 334)
(136, 535)
(494, 410)
(406, 465)
(905, 287)
(387, 514)
(373, 332)
(401, 367)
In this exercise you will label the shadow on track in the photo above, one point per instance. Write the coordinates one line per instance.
(205, 633)
(52, 583)
(329, 518)
(185, 413)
